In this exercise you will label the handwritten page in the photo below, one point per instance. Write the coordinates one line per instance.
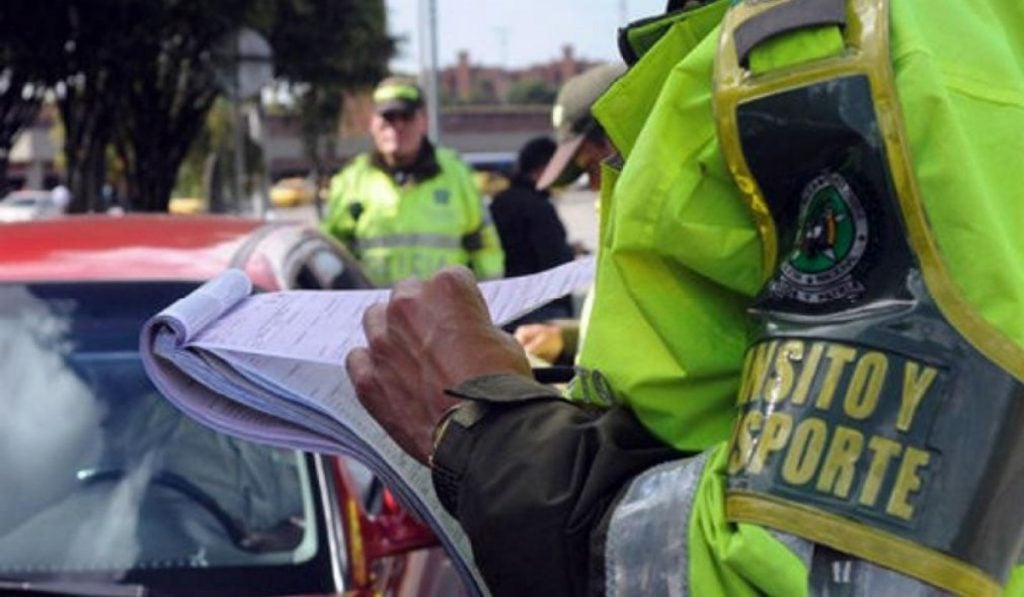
(270, 368)
(323, 326)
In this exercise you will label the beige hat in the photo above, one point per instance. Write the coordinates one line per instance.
(573, 121)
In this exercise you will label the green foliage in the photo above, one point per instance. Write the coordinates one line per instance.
(330, 42)
(325, 48)
(139, 74)
(24, 76)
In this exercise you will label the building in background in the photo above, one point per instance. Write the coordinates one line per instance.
(468, 83)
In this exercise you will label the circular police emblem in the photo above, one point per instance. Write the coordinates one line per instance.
(830, 241)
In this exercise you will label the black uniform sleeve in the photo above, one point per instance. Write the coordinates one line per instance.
(530, 477)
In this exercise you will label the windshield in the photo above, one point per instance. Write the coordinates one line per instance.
(99, 473)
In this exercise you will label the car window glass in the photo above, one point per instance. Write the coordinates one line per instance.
(100, 473)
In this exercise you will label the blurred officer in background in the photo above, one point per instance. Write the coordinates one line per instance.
(408, 208)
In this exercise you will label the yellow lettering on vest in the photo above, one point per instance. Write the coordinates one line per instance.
(745, 431)
(907, 481)
(759, 369)
(838, 357)
(884, 450)
(743, 396)
(915, 386)
(837, 472)
(805, 451)
(865, 386)
(773, 438)
(781, 381)
(807, 374)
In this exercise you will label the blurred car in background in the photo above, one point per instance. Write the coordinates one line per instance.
(186, 206)
(107, 489)
(292, 191)
(26, 205)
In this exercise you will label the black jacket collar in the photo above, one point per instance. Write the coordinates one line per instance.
(424, 167)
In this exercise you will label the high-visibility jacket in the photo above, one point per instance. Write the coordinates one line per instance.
(680, 255)
(414, 229)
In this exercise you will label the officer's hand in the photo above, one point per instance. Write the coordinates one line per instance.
(543, 340)
(430, 336)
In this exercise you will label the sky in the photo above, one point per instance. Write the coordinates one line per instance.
(515, 33)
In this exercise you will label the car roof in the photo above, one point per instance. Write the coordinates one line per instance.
(131, 247)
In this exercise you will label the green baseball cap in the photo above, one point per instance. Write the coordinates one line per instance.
(572, 120)
(397, 94)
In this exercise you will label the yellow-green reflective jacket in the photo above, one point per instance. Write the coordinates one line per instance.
(680, 256)
(415, 229)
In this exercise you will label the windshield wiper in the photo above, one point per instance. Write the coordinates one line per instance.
(71, 587)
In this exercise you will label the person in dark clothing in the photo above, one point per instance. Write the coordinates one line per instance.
(532, 235)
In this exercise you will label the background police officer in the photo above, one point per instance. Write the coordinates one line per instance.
(408, 208)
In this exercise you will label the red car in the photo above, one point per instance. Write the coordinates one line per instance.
(106, 489)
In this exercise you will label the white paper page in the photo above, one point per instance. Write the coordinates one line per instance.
(281, 356)
(202, 391)
(364, 437)
(512, 297)
(323, 326)
(207, 303)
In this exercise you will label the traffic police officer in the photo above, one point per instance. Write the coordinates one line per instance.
(408, 208)
(843, 170)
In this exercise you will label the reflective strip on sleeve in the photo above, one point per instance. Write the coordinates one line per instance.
(647, 548)
(646, 552)
(391, 241)
(835, 573)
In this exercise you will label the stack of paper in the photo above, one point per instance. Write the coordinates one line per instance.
(270, 368)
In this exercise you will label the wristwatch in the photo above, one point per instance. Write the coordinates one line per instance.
(454, 437)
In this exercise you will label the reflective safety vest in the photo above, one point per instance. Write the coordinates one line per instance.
(684, 253)
(414, 229)
(881, 414)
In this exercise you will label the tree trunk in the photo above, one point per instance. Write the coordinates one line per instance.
(4, 183)
(158, 121)
(87, 115)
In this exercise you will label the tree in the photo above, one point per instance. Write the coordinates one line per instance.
(25, 31)
(138, 75)
(320, 46)
(324, 48)
(166, 90)
(94, 53)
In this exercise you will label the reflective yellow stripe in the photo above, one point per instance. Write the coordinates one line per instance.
(390, 92)
(393, 241)
(862, 541)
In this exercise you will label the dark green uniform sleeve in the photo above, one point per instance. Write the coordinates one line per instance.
(530, 477)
